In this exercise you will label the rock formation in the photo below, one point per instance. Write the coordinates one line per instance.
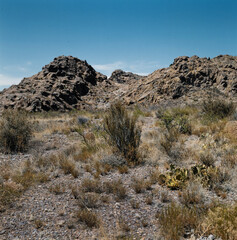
(187, 78)
(69, 83)
(120, 76)
(59, 86)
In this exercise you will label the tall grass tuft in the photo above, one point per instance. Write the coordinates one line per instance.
(15, 131)
(123, 132)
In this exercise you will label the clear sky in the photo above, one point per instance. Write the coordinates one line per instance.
(134, 35)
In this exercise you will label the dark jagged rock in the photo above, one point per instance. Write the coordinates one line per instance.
(59, 86)
(120, 76)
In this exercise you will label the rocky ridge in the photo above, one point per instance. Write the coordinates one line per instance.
(187, 78)
(69, 83)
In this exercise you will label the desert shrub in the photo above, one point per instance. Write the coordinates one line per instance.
(175, 220)
(168, 142)
(68, 166)
(15, 131)
(8, 193)
(138, 185)
(175, 118)
(116, 187)
(57, 188)
(191, 194)
(222, 222)
(88, 217)
(135, 204)
(123, 132)
(91, 185)
(215, 109)
(207, 159)
(88, 200)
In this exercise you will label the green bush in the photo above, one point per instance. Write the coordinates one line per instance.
(215, 109)
(15, 131)
(175, 118)
(123, 132)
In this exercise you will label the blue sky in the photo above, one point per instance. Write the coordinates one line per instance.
(135, 35)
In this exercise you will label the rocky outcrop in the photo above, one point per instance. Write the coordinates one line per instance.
(187, 78)
(59, 86)
(69, 83)
(120, 76)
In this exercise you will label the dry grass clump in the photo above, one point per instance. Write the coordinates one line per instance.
(38, 223)
(175, 220)
(139, 185)
(154, 176)
(68, 166)
(28, 176)
(149, 200)
(123, 169)
(123, 132)
(207, 159)
(215, 109)
(88, 200)
(123, 225)
(15, 182)
(15, 131)
(91, 185)
(192, 194)
(101, 169)
(135, 204)
(116, 187)
(88, 217)
(164, 196)
(222, 222)
(8, 193)
(57, 188)
(168, 143)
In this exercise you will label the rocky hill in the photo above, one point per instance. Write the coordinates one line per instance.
(188, 78)
(59, 86)
(69, 83)
(120, 76)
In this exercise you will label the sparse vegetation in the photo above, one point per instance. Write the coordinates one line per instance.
(175, 118)
(215, 109)
(117, 188)
(222, 222)
(191, 170)
(88, 217)
(15, 131)
(175, 220)
(123, 132)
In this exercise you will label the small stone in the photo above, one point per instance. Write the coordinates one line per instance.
(211, 237)
(137, 215)
(31, 218)
(60, 223)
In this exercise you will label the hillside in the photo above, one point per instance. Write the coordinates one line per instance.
(189, 78)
